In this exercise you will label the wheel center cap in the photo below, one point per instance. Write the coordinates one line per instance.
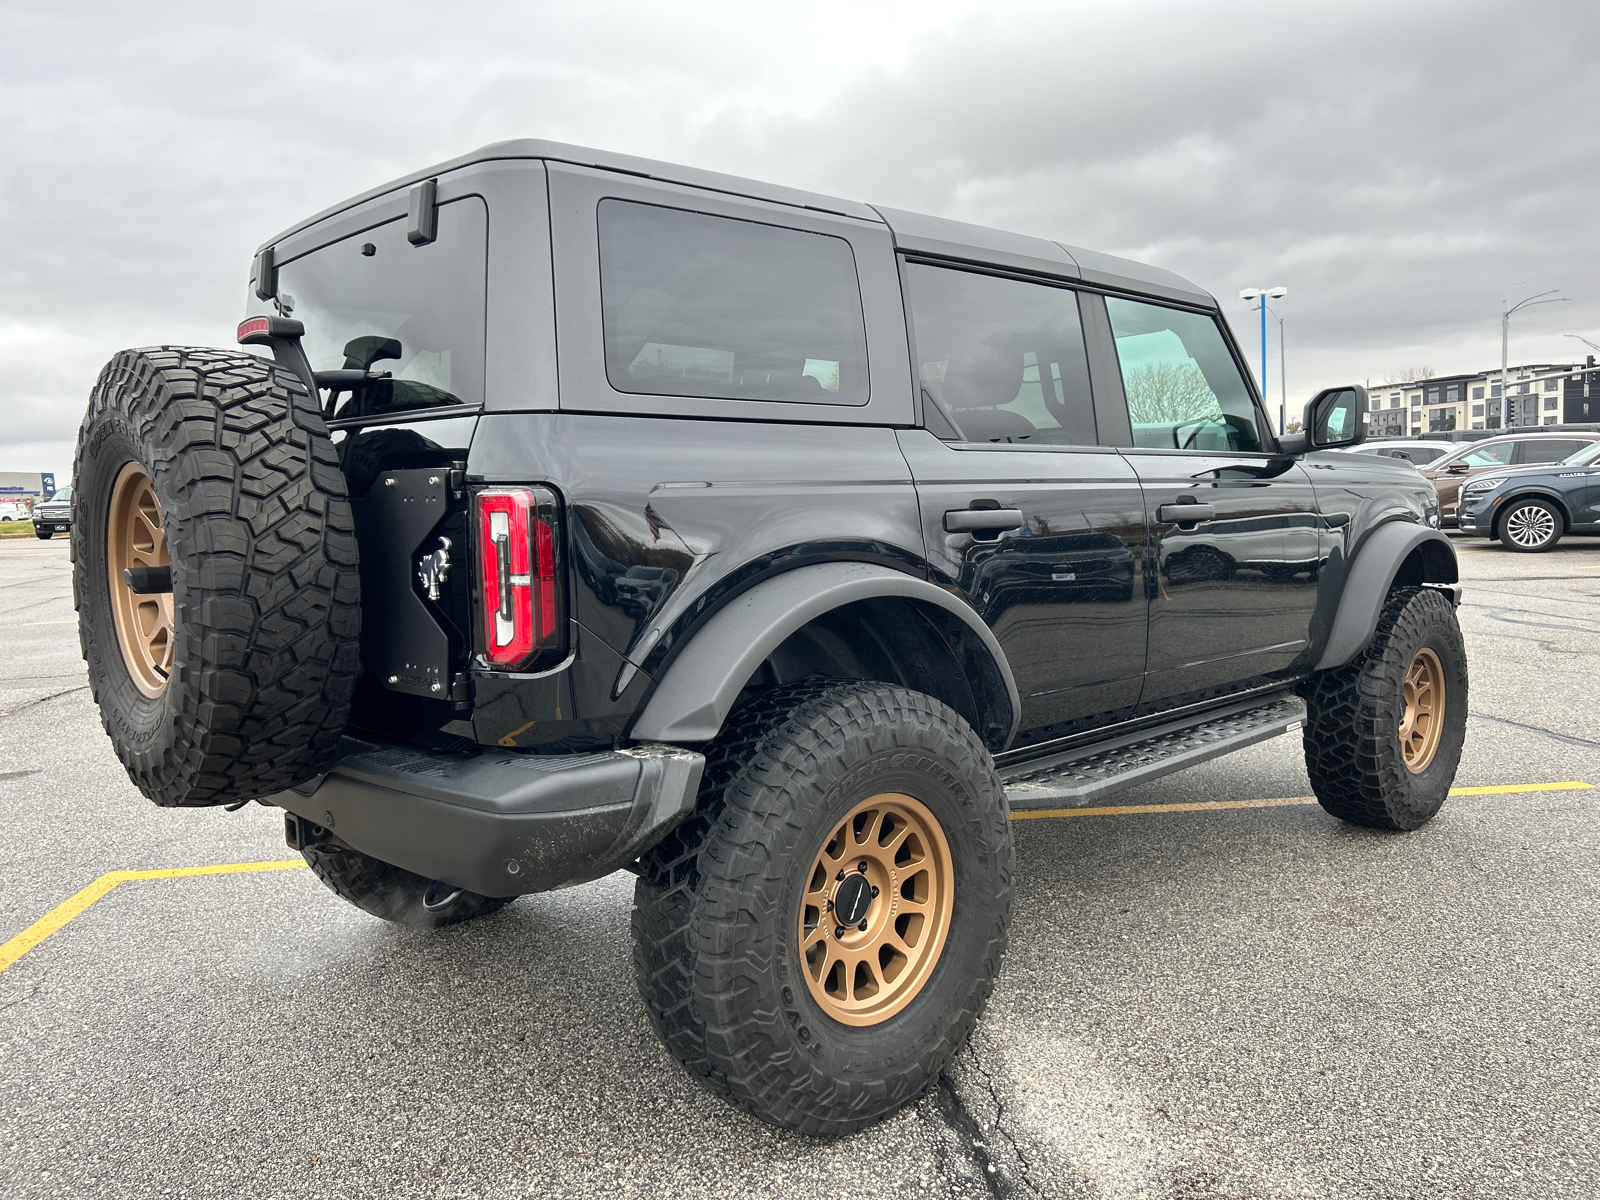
(852, 899)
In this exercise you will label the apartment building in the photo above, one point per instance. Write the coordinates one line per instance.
(1540, 394)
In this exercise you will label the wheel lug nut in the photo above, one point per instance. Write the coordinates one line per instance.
(862, 927)
(862, 866)
(838, 931)
(841, 877)
(874, 893)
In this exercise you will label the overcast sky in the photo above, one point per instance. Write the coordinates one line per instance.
(1397, 166)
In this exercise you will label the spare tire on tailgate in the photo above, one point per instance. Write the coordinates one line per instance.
(214, 573)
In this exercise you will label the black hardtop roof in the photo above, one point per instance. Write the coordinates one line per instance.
(912, 231)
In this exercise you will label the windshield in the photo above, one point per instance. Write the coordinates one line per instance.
(374, 300)
(1587, 455)
(64, 494)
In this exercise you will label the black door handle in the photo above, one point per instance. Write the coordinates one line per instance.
(1185, 514)
(982, 520)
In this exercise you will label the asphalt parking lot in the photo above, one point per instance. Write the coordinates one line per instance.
(1199, 1004)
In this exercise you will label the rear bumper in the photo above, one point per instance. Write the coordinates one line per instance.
(501, 824)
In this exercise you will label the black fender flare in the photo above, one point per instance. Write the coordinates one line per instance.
(693, 698)
(1371, 574)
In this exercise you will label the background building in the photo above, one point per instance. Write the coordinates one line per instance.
(1540, 394)
(32, 485)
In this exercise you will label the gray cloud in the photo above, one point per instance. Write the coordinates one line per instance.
(1395, 165)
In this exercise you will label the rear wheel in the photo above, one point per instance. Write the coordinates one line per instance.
(1383, 735)
(1531, 526)
(820, 937)
(394, 894)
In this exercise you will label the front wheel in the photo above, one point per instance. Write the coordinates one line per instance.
(1383, 734)
(44, 535)
(817, 941)
(1531, 526)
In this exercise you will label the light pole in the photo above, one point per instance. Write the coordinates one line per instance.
(1283, 385)
(1505, 343)
(1260, 295)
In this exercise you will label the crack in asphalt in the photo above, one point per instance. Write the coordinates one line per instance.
(1000, 1127)
(1542, 643)
(978, 1142)
(42, 700)
(1510, 616)
(968, 1135)
(1560, 737)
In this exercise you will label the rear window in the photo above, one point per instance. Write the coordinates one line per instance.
(375, 300)
(1553, 450)
(696, 305)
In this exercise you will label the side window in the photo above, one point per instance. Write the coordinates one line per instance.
(1184, 389)
(1489, 456)
(1002, 358)
(1554, 450)
(696, 305)
(374, 300)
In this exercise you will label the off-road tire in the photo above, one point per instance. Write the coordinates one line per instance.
(266, 596)
(395, 894)
(1532, 517)
(715, 942)
(1353, 715)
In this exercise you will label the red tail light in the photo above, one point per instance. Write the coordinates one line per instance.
(517, 549)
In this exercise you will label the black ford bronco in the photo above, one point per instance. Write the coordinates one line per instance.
(592, 513)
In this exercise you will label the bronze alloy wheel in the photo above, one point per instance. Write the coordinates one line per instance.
(876, 910)
(136, 537)
(1423, 721)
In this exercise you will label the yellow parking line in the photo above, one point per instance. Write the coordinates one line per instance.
(59, 916)
(1126, 810)
(64, 912)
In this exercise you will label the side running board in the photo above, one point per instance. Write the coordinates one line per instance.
(1080, 777)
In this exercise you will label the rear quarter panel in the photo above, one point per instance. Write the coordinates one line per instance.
(666, 518)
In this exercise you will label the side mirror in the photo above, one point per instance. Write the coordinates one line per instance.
(1458, 468)
(1336, 418)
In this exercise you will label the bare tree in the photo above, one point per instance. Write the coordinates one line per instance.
(1165, 392)
(1410, 375)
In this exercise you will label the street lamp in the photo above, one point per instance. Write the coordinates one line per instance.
(1283, 386)
(1262, 294)
(1505, 341)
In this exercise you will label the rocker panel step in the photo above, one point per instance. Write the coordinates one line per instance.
(1081, 777)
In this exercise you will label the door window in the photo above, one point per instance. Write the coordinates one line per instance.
(1553, 450)
(1184, 389)
(697, 305)
(1488, 456)
(1002, 358)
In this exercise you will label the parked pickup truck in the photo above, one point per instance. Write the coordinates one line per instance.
(569, 513)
